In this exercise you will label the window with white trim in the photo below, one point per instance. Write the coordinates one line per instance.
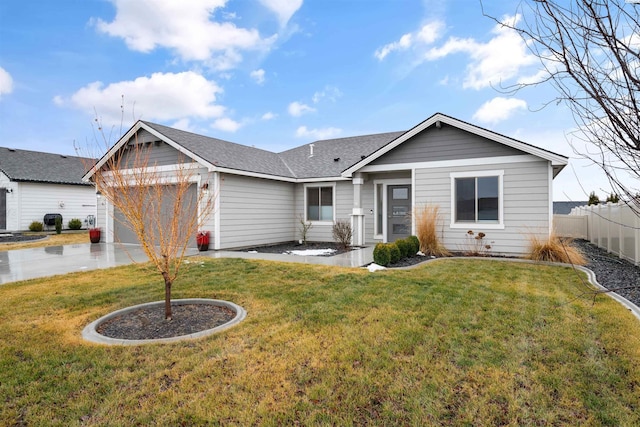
(319, 203)
(477, 198)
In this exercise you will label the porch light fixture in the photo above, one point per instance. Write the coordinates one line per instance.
(9, 190)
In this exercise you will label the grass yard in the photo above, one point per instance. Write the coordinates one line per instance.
(65, 238)
(454, 342)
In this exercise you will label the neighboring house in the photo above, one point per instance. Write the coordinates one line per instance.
(33, 184)
(482, 181)
(564, 208)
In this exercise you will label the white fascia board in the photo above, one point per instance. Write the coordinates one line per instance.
(555, 159)
(130, 133)
(525, 158)
(251, 174)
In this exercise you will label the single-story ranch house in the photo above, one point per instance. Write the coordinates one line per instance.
(33, 184)
(481, 180)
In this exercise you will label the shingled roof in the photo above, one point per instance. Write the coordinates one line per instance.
(330, 157)
(34, 166)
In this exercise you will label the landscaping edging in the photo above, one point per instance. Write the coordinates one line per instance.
(90, 334)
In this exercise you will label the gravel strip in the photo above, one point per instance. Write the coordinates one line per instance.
(612, 272)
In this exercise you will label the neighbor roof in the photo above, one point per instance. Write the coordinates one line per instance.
(34, 166)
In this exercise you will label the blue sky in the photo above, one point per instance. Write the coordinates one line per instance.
(274, 74)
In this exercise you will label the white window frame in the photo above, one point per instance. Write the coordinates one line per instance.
(333, 201)
(478, 174)
(385, 184)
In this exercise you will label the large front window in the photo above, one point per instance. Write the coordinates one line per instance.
(319, 203)
(477, 198)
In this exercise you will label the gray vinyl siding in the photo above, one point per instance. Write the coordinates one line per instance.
(161, 153)
(323, 232)
(447, 143)
(255, 211)
(525, 203)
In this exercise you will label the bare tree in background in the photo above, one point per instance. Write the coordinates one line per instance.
(163, 209)
(590, 51)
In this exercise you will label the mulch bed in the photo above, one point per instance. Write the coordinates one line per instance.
(19, 237)
(284, 248)
(149, 322)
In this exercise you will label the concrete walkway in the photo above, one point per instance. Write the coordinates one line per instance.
(24, 264)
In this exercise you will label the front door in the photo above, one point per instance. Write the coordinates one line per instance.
(398, 212)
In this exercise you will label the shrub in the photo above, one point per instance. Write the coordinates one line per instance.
(382, 254)
(554, 249)
(58, 225)
(36, 226)
(304, 227)
(405, 248)
(342, 233)
(395, 252)
(75, 224)
(415, 244)
(476, 245)
(427, 219)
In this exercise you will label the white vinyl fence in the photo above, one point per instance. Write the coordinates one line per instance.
(613, 227)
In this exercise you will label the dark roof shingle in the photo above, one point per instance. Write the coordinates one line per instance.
(34, 166)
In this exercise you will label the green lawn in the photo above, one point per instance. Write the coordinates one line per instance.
(454, 342)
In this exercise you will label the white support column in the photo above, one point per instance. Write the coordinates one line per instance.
(357, 215)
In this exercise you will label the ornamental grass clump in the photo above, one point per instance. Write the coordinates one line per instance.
(427, 221)
(554, 249)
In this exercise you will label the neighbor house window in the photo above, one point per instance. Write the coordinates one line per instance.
(319, 203)
(477, 198)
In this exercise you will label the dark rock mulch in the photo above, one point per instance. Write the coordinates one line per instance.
(19, 237)
(287, 247)
(149, 323)
(615, 274)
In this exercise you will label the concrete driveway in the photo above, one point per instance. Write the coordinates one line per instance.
(24, 264)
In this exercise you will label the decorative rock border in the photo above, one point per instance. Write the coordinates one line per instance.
(89, 333)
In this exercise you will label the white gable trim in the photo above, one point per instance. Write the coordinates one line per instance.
(438, 118)
(526, 158)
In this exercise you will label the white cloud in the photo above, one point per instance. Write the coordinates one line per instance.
(499, 109)
(325, 133)
(185, 28)
(284, 9)
(183, 124)
(258, 76)
(6, 82)
(269, 116)
(296, 109)
(426, 35)
(226, 124)
(159, 97)
(331, 93)
(493, 62)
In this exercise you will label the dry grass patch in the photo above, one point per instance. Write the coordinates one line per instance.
(50, 240)
(554, 249)
(454, 342)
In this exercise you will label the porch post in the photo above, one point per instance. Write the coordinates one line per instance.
(357, 215)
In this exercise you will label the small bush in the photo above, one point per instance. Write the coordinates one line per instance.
(405, 248)
(382, 254)
(476, 245)
(58, 225)
(395, 253)
(342, 233)
(415, 244)
(427, 220)
(36, 226)
(554, 249)
(75, 224)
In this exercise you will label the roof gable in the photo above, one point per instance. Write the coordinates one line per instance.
(34, 166)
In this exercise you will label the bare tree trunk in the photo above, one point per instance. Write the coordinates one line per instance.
(167, 296)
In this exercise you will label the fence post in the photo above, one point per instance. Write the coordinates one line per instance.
(636, 238)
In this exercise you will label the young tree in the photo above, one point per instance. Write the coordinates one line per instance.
(590, 52)
(593, 199)
(163, 209)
